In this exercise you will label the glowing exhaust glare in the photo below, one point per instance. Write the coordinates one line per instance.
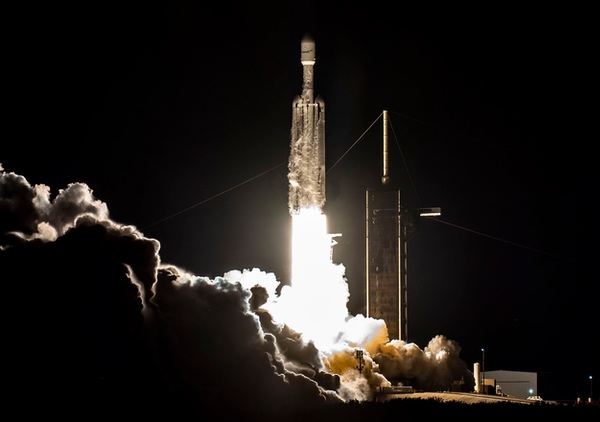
(311, 245)
(316, 302)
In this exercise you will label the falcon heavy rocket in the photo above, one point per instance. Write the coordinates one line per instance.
(307, 156)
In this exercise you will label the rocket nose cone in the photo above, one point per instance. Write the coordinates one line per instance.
(307, 49)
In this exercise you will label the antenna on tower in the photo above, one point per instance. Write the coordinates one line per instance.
(385, 179)
(361, 361)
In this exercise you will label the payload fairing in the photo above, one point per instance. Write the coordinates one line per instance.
(307, 156)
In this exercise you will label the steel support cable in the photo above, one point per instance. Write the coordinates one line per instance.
(412, 183)
(215, 196)
(355, 142)
(500, 240)
(252, 178)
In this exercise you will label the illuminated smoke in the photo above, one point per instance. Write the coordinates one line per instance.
(113, 323)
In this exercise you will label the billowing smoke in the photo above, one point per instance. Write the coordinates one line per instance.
(93, 316)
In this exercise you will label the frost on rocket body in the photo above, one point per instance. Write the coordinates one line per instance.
(306, 170)
(307, 157)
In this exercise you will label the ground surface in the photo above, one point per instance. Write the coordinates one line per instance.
(459, 397)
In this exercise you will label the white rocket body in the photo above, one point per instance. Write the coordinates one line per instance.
(307, 156)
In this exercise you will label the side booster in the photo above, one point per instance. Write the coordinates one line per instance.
(307, 156)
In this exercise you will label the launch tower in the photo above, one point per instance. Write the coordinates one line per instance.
(388, 228)
(386, 286)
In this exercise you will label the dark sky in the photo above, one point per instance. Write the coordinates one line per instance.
(177, 116)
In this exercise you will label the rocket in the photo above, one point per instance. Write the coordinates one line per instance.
(307, 154)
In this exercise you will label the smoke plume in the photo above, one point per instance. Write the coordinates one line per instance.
(97, 318)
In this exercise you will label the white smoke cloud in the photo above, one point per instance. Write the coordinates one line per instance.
(34, 215)
(111, 321)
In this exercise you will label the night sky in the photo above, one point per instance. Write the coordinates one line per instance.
(177, 116)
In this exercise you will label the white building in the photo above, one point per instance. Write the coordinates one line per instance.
(514, 383)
